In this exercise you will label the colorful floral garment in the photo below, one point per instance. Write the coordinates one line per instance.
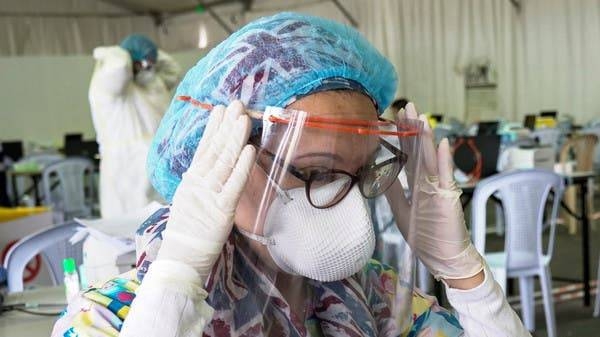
(246, 303)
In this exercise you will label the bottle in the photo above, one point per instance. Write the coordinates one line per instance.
(82, 277)
(71, 279)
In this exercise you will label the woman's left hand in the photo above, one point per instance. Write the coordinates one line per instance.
(442, 241)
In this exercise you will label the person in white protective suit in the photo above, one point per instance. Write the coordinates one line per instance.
(129, 93)
(268, 155)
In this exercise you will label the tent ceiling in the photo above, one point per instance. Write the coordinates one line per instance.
(163, 6)
(113, 7)
(148, 6)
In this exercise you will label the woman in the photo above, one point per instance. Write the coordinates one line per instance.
(268, 233)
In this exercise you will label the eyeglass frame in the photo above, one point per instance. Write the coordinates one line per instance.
(399, 156)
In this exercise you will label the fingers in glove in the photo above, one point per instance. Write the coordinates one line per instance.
(214, 121)
(234, 110)
(428, 144)
(445, 163)
(401, 113)
(230, 131)
(411, 111)
(229, 151)
(232, 190)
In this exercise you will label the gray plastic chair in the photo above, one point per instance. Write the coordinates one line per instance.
(54, 246)
(23, 183)
(65, 184)
(43, 159)
(524, 195)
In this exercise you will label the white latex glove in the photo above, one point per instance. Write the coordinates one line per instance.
(112, 72)
(204, 203)
(442, 241)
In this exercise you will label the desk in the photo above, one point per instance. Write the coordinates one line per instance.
(576, 178)
(20, 324)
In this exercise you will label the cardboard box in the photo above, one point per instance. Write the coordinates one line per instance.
(539, 157)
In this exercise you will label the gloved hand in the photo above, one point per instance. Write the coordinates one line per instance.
(442, 241)
(204, 203)
(168, 69)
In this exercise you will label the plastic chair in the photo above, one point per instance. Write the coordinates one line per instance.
(595, 130)
(524, 195)
(597, 304)
(579, 147)
(24, 184)
(65, 183)
(43, 159)
(52, 243)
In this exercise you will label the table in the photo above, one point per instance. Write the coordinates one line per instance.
(581, 179)
(19, 324)
(576, 178)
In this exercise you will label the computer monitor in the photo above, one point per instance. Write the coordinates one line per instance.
(487, 128)
(89, 149)
(86, 148)
(72, 138)
(13, 150)
(549, 113)
(529, 122)
(467, 148)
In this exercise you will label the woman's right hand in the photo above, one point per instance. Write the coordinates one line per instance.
(204, 203)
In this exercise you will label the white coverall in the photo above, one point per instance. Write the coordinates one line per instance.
(126, 116)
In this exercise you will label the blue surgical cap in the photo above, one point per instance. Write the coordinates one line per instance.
(140, 47)
(269, 62)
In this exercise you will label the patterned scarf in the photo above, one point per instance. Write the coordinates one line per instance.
(247, 303)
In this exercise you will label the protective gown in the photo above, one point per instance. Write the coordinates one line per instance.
(126, 116)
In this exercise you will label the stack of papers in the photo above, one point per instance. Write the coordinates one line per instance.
(118, 232)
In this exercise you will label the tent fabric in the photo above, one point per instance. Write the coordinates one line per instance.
(541, 53)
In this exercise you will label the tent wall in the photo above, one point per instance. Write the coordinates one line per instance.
(44, 97)
(545, 54)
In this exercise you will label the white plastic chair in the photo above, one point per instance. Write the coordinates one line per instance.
(524, 195)
(43, 159)
(24, 184)
(65, 184)
(52, 243)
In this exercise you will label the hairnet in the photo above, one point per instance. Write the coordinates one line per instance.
(140, 47)
(269, 62)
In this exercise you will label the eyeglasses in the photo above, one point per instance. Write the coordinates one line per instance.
(327, 187)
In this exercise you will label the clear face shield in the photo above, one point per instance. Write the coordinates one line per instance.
(328, 213)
